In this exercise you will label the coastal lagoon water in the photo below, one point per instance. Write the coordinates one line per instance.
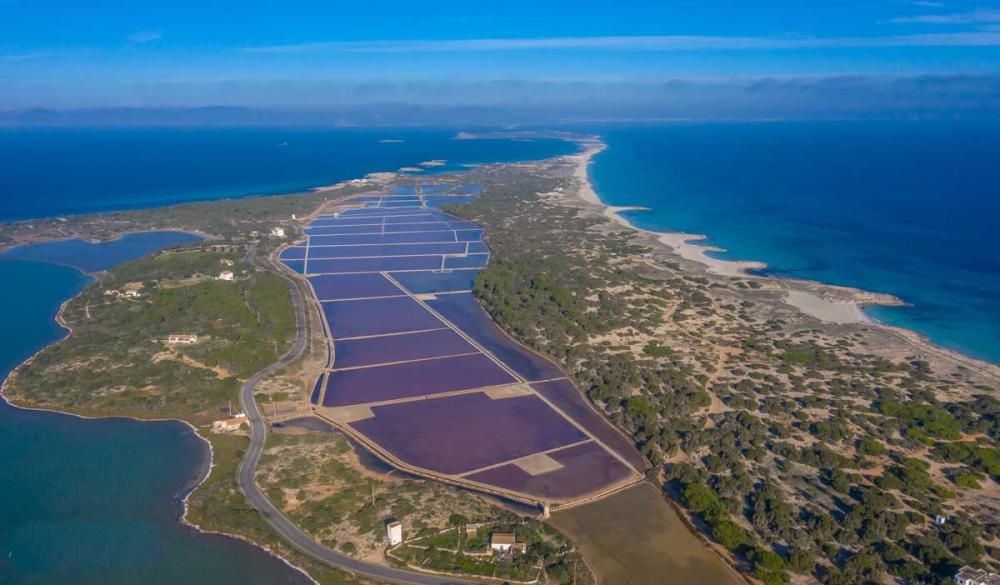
(55, 171)
(94, 257)
(907, 208)
(97, 501)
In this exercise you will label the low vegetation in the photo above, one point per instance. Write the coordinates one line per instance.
(321, 482)
(118, 360)
(824, 450)
(464, 549)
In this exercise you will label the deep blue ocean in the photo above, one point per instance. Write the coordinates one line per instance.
(908, 208)
(46, 172)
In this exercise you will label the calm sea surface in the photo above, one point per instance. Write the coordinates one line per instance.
(97, 501)
(907, 208)
(46, 172)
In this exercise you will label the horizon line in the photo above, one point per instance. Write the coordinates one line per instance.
(637, 43)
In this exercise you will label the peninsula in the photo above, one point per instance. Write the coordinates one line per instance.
(528, 388)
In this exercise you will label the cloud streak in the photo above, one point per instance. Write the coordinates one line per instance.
(147, 36)
(975, 17)
(637, 43)
(21, 57)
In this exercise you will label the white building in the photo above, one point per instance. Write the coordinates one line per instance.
(278, 232)
(230, 424)
(182, 339)
(970, 576)
(226, 275)
(394, 533)
(132, 293)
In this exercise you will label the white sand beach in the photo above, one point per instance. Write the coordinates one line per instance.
(840, 310)
(826, 310)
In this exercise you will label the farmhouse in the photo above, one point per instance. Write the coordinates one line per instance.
(505, 542)
(131, 290)
(226, 275)
(182, 339)
(278, 232)
(230, 424)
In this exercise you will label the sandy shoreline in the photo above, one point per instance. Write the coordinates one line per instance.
(687, 247)
(826, 302)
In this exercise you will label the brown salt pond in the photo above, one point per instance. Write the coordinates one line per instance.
(636, 538)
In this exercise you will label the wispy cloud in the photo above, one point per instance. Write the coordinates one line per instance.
(147, 36)
(979, 16)
(21, 56)
(638, 43)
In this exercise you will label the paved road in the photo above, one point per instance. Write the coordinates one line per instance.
(248, 470)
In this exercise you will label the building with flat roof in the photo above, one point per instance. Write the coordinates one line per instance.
(182, 339)
(226, 275)
(972, 576)
(394, 533)
(230, 424)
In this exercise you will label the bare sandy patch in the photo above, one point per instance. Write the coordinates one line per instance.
(824, 309)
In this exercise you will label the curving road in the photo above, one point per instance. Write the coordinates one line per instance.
(246, 475)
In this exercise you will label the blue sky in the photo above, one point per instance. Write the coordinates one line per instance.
(66, 54)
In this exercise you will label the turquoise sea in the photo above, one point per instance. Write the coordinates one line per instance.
(910, 208)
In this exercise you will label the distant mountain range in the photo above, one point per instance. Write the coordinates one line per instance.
(550, 103)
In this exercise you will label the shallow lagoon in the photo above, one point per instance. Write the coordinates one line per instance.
(98, 501)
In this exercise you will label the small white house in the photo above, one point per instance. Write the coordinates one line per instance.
(230, 424)
(394, 533)
(971, 576)
(226, 275)
(278, 232)
(132, 293)
(182, 339)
